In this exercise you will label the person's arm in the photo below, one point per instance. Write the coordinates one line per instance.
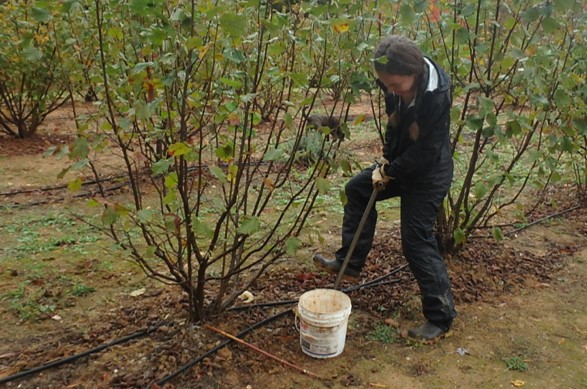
(432, 136)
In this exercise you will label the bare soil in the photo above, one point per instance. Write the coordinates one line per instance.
(521, 302)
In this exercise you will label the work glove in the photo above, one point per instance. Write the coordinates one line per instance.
(379, 178)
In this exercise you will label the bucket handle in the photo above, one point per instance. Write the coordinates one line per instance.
(296, 313)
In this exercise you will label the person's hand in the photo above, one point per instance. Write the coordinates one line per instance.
(379, 178)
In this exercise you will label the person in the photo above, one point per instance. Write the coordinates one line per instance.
(417, 166)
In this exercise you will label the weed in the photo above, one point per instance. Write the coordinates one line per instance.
(80, 290)
(516, 363)
(384, 334)
(27, 305)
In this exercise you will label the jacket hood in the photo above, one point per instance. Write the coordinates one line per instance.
(438, 80)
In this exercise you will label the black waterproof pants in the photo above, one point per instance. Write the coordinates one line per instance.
(420, 205)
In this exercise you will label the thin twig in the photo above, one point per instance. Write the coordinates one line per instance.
(238, 340)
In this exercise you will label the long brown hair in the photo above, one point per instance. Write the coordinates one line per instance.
(399, 55)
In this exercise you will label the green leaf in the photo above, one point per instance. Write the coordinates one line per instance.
(41, 15)
(474, 123)
(202, 229)
(292, 244)
(109, 217)
(230, 82)
(323, 185)
(233, 24)
(234, 55)
(462, 36)
(249, 225)
(497, 234)
(566, 144)
(172, 222)
(32, 54)
(142, 110)
(161, 166)
(513, 127)
(75, 185)
(144, 7)
(407, 13)
(459, 236)
(178, 149)
(218, 173)
(486, 105)
(274, 154)
(81, 164)
(171, 180)
(550, 25)
(145, 215)
(68, 5)
(561, 98)
(93, 203)
(115, 32)
(564, 5)
(225, 152)
(342, 197)
(80, 149)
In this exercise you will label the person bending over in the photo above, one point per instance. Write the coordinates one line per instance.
(417, 166)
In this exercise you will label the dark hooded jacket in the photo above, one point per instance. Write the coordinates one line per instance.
(420, 154)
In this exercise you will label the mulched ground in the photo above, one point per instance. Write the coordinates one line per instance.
(483, 271)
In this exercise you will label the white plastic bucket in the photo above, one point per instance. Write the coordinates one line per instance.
(323, 318)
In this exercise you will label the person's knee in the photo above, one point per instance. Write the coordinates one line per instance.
(416, 239)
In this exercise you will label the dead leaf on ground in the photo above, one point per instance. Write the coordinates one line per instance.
(518, 383)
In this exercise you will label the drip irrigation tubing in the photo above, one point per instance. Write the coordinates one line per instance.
(224, 343)
(375, 282)
(72, 358)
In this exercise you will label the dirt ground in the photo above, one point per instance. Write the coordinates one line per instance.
(522, 313)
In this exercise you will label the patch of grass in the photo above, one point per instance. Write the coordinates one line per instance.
(41, 233)
(80, 290)
(384, 334)
(28, 305)
(516, 363)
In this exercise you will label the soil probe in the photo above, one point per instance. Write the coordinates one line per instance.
(239, 340)
(349, 253)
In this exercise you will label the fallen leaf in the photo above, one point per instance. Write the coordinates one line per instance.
(138, 292)
(392, 323)
(246, 297)
(373, 384)
(518, 383)
(56, 317)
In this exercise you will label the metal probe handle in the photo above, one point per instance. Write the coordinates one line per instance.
(380, 185)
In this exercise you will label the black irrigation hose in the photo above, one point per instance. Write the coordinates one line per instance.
(226, 342)
(373, 282)
(376, 282)
(72, 358)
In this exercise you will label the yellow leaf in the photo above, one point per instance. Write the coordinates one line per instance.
(75, 185)
(359, 119)
(269, 184)
(340, 27)
(518, 383)
(203, 50)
